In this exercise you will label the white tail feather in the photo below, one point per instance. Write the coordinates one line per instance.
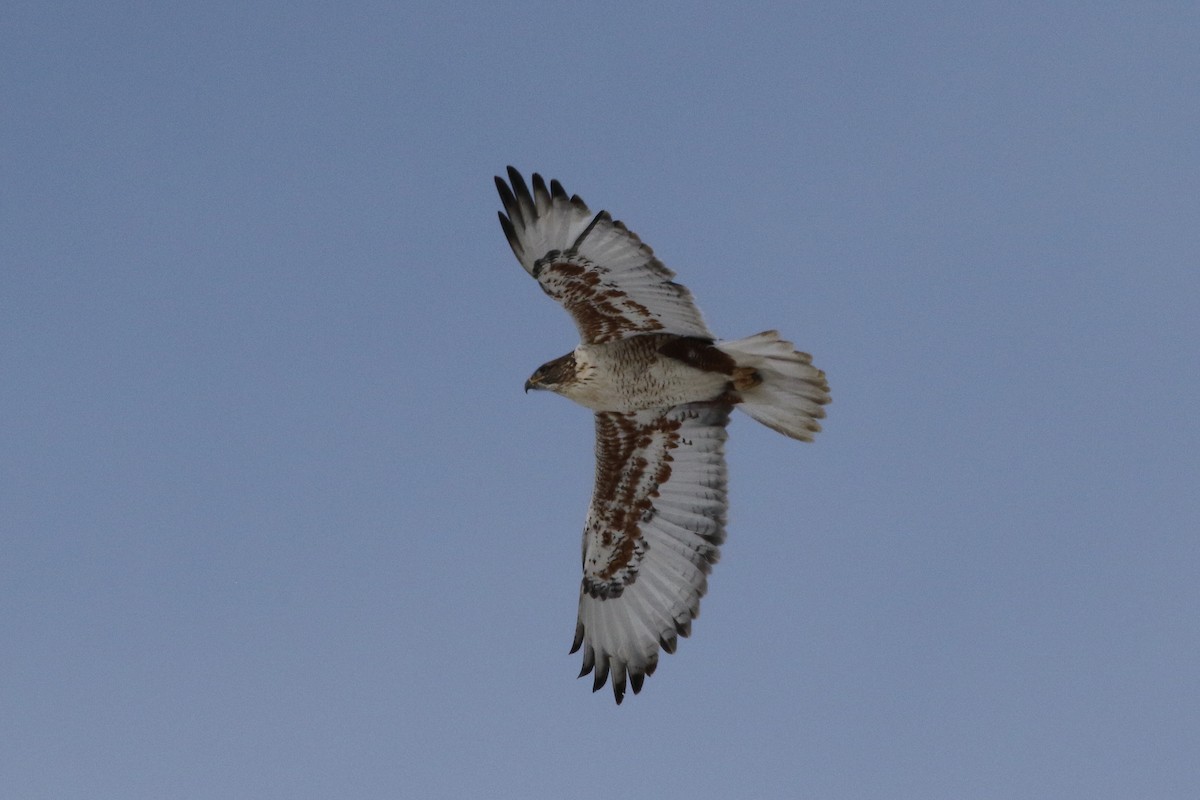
(784, 391)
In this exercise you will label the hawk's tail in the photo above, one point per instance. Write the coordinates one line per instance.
(778, 385)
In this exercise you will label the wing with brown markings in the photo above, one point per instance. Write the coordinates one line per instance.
(653, 531)
(599, 270)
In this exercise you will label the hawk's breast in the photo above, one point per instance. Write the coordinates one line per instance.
(631, 374)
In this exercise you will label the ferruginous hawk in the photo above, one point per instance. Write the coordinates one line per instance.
(662, 389)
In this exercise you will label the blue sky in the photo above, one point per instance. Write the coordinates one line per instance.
(278, 520)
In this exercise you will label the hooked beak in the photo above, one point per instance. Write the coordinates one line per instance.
(529, 384)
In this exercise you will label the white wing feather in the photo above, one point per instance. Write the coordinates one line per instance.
(653, 532)
(600, 271)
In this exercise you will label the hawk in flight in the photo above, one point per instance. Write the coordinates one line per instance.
(662, 388)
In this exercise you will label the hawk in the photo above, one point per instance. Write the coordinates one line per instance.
(662, 389)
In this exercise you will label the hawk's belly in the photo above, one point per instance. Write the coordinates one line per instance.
(630, 375)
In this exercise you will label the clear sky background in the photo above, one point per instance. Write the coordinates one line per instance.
(277, 520)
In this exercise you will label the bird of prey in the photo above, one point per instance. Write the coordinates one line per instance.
(662, 389)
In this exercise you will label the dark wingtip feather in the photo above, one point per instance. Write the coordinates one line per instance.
(507, 198)
(506, 195)
(520, 189)
(601, 676)
(635, 681)
(557, 191)
(589, 661)
(510, 233)
(524, 200)
(578, 637)
(540, 195)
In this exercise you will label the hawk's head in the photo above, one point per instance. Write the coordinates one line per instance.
(554, 375)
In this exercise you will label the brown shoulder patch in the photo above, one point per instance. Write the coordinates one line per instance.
(698, 352)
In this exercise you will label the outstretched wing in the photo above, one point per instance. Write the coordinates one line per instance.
(599, 270)
(652, 535)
